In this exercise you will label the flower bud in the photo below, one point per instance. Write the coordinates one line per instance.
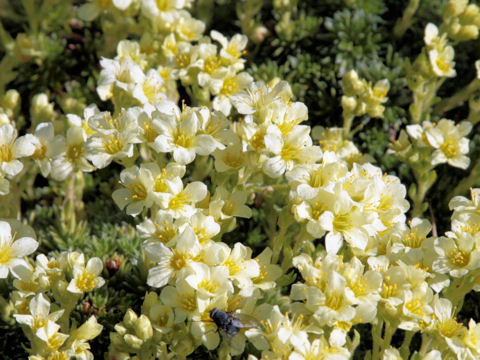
(120, 329)
(376, 111)
(351, 84)
(130, 318)
(133, 341)
(259, 34)
(471, 14)
(454, 28)
(349, 103)
(467, 32)
(11, 99)
(455, 7)
(143, 328)
(4, 119)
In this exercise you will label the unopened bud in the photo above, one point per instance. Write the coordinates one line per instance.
(259, 34)
(351, 84)
(454, 28)
(143, 328)
(133, 341)
(471, 14)
(349, 103)
(130, 318)
(467, 32)
(120, 329)
(455, 7)
(4, 119)
(11, 99)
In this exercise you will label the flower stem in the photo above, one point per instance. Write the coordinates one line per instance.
(458, 98)
(406, 21)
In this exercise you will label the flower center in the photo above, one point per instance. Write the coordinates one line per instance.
(40, 153)
(75, 152)
(449, 328)
(6, 153)
(182, 139)
(113, 144)
(211, 64)
(6, 253)
(342, 222)
(149, 133)
(86, 281)
(233, 267)
(450, 148)
(138, 191)
(230, 86)
(459, 258)
(164, 234)
(209, 285)
(443, 66)
(178, 201)
(412, 239)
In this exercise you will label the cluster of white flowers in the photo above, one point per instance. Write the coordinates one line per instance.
(190, 171)
(440, 53)
(46, 323)
(139, 75)
(435, 143)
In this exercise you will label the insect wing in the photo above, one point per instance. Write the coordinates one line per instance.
(235, 343)
(244, 321)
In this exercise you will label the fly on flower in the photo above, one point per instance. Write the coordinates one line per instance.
(229, 324)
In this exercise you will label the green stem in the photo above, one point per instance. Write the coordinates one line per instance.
(423, 101)
(406, 21)
(347, 125)
(389, 331)
(458, 98)
(377, 338)
(426, 341)
(405, 348)
(425, 178)
(465, 184)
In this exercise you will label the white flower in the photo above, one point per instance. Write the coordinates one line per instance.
(241, 267)
(85, 278)
(258, 98)
(137, 192)
(450, 143)
(51, 336)
(431, 38)
(151, 90)
(152, 8)
(232, 49)
(114, 138)
(289, 149)
(161, 228)
(123, 75)
(12, 148)
(74, 157)
(457, 255)
(209, 282)
(39, 313)
(224, 88)
(181, 201)
(442, 62)
(12, 251)
(47, 147)
(91, 10)
(174, 262)
(180, 135)
(204, 226)
(225, 205)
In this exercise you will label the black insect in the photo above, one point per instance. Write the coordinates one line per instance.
(226, 322)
